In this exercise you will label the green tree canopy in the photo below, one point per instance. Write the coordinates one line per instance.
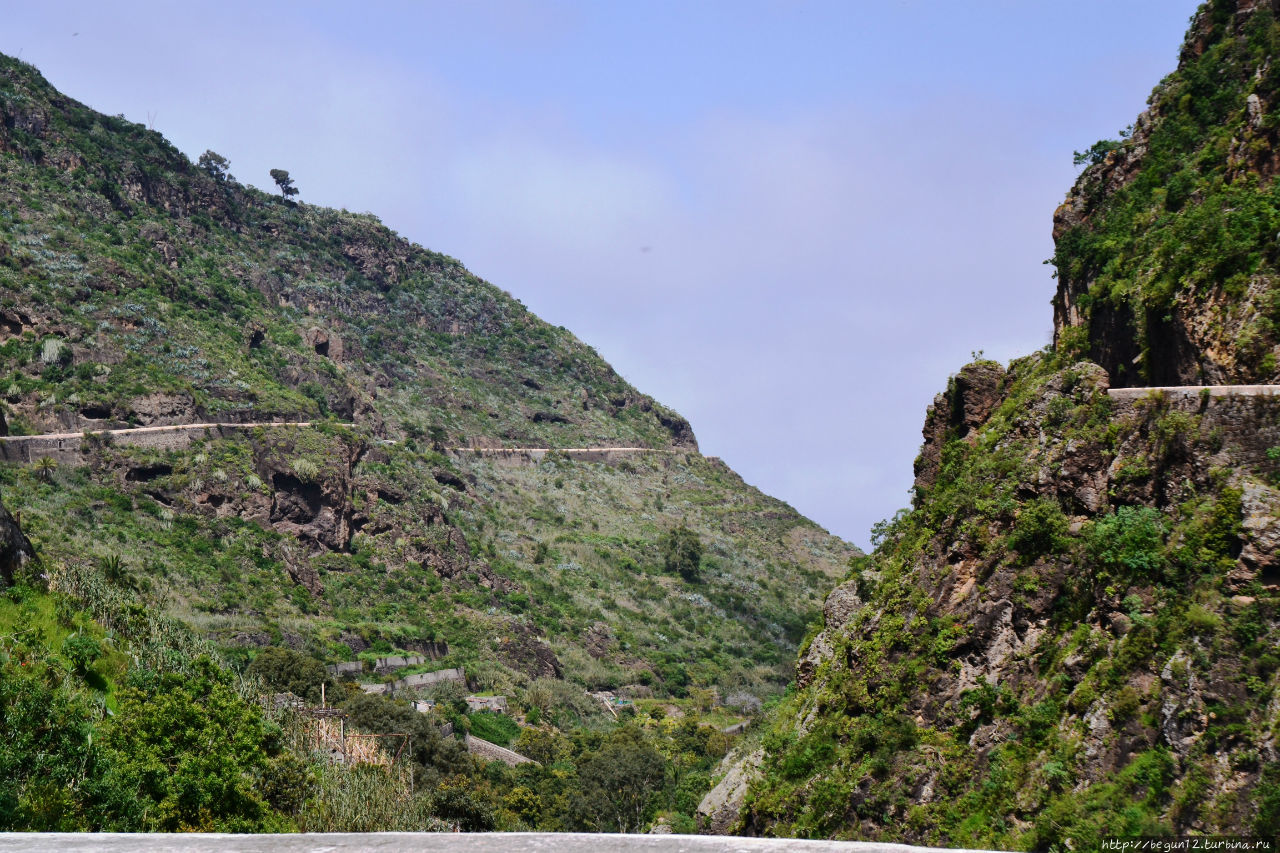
(681, 552)
(287, 671)
(284, 182)
(216, 166)
(618, 783)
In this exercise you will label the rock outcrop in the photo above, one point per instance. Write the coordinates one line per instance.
(15, 550)
(1166, 275)
(722, 805)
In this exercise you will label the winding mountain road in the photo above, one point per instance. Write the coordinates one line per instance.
(1114, 393)
(127, 431)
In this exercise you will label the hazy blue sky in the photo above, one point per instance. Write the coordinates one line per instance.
(791, 220)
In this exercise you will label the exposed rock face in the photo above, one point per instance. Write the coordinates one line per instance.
(969, 399)
(599, 641)
(841, 604)
(324, 343)
(721, 807)
(522, 649)
(1260, 554)
(1143, 288)
(165, 410)
(15, 551)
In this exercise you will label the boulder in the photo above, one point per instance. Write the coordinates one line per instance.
(720, 808)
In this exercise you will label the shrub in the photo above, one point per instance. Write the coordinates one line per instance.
(1128, 544)
(1202, 621)
(1040, 530)
(1124, 705)
(306, 470)
(681, 552)
(287, 671)
(495, 728)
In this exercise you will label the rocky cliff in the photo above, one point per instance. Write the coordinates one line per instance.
(1072, 632)
(1166, 252)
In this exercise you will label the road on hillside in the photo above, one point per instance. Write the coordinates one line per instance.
(151, 429)
(127, 431)
(567, 450)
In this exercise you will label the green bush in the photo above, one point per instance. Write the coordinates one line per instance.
(1039, 530)
(1128, 544)
(681, 551)
(287, 671)
(189, 752)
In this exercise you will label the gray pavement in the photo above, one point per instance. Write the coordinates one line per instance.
(1195, 391)
(402, 842)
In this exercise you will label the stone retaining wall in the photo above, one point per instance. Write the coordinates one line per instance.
(1242, 420)
(492, 752)
(534, 455)
(1196, 391)
(421, 679)
(68, 448)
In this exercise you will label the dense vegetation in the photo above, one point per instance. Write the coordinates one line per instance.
(1177, 219)
(1072, 632)
(138, 728)
(1124, 626)
(179, 587)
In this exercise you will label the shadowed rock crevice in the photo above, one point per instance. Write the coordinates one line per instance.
(15, 549)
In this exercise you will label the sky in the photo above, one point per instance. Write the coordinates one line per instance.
(789, 220)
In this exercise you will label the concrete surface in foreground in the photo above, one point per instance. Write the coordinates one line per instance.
(395, 842)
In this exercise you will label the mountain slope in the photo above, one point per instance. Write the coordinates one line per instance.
(139, 289)
(1072, 633)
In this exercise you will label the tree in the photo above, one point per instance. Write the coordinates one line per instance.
(1095, 153)
(45, 468)
(617, 783)
(681, 552)
(287, 671)
(190, 754)
(215, 165)
(284, 182)
(438, 435)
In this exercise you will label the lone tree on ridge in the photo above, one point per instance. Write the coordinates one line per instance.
(284, 182)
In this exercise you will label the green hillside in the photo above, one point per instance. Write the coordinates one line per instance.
(138, 289)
